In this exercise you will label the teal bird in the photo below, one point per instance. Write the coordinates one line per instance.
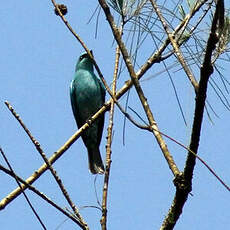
(87, 94)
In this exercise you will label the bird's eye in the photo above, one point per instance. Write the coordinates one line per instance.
(83, 56)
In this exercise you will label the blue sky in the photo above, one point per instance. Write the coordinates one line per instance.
(38, 57)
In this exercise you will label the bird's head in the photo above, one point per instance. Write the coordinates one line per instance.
(84, 62)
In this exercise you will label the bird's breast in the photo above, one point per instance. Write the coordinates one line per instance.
(88, 90)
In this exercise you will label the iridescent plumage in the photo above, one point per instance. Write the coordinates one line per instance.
(87, 94)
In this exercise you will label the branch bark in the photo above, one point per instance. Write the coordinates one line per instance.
(183, 182)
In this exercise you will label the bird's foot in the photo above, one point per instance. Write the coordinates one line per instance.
(89, 121)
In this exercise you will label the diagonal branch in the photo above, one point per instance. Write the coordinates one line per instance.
(96, 66)
(40, 194)
(10, 197)
(176, 48)
(26, 197)
(50, 167)
(134, 78)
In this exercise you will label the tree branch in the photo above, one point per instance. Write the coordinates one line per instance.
(134, 78)
(176, 48)
(109, 142)
(183, 182)
(50, 167)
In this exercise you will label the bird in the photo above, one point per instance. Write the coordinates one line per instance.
(87, 95)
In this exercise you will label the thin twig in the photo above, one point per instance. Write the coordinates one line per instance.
(109, 143)
(50, 167)
(26, 197)
(199, 158)
(157, 56)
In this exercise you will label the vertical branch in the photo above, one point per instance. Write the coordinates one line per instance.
(108, 145)
(205, 73)
(183, 182)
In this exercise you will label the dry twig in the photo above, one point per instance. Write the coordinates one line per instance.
(109, 143)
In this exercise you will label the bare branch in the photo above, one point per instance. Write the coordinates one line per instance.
(109, 143)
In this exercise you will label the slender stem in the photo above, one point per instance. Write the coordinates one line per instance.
(109, 143)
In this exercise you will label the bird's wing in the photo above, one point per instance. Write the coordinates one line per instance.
(101, 119)
(73, 98)
(102, 88)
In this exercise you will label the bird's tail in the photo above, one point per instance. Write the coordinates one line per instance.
(95, 162)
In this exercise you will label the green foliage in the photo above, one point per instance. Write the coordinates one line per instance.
(127, 8)
(191, 4)
(117, 5)
(224, 36)
(181, 11)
